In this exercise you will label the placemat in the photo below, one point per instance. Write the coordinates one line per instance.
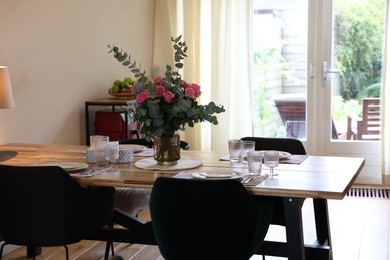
(89, 172)
(252, 182)
(294, 159)
(183, 164)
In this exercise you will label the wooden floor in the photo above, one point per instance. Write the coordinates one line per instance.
(360, 230)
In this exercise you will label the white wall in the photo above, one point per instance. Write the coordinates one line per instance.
(56, 52)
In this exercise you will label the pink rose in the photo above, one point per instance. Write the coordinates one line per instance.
(168, 96)
(196, 89)
(160, 90)
(184, 84)
(158, 81)
(190, 92)
(141, 97)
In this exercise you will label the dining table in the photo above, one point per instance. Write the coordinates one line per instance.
(299, 177)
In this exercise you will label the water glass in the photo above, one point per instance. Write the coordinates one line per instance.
(271, 160)
(112, 152)
(246, 146)
(255, 159)
(100, 157)
(234, 150)
(98, 141)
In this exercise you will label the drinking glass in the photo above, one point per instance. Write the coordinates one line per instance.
(246, 146)
(234, 150)
(271, 160)
(112, 152)
(254, 163)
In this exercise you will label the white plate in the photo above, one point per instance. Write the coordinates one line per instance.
(217, 175)
(282, 155)
(136, 147)
(68, 166)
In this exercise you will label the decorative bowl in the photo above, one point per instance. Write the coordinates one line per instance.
(121, 95)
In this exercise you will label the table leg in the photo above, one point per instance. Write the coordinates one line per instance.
(127, 123)
(321, 216)
(294, 228)
(87, 125)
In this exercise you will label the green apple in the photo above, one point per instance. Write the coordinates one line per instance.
(115, 89)
(125, 84)
(118, 82)
(129, 80)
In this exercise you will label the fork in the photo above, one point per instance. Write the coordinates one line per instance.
(246, 180)
(88, 171)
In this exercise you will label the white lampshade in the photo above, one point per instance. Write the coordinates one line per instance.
(6, 97)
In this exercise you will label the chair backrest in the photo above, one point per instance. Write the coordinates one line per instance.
(371, 117)
(142, 141)
(200, 219)
(44, 206)
(290, 145)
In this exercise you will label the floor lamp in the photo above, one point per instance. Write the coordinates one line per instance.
(6, 101)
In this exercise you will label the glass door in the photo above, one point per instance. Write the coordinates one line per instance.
(315, 62)
(280, 43)
(352, 54)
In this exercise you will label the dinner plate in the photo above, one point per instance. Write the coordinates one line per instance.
(282, 155)
(217, 175)
(136, 147)
(68, 166)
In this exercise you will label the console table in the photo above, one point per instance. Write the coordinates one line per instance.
(113, 102)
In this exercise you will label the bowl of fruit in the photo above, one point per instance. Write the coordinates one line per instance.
(122, 88)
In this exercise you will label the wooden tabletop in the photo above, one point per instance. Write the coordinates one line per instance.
(110, 101)
(323, 177)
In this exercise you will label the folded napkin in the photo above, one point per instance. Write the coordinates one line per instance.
(89, 172)
(255, 181)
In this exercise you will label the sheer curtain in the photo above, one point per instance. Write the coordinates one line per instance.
(218, 33)
(386, 100)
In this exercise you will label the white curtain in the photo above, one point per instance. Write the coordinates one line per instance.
(218, 33)
(386, 100)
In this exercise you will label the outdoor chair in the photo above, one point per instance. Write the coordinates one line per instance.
(42, 206)
(368, 126)
(202, 219)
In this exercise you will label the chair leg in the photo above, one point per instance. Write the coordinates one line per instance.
(109, 244)
(66, 252)
(1, 250)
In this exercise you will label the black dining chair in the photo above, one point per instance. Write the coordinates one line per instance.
(290, 145)
(203, 219)
(42, 206)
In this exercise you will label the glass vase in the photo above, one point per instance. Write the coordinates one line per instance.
(167, 149)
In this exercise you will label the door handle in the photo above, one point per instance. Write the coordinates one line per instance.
(325, 72)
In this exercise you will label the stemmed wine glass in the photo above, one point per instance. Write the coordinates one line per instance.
(112, 153)
(271, 160)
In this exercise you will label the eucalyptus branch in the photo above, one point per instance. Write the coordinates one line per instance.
(125, 59)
